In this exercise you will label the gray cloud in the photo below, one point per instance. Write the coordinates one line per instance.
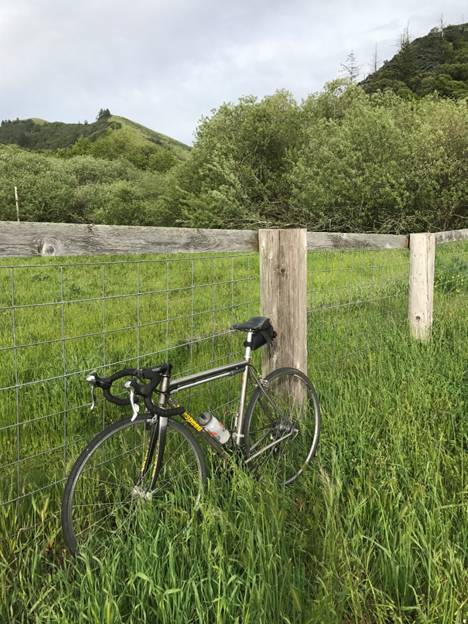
(165, 63)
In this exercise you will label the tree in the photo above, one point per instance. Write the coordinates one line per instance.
(104, 113)
(405, 59)
(375, 60)
(442, 25)
(344, 180)
(237, 173)
(350, 67)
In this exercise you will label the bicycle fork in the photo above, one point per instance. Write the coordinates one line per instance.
(157, 443)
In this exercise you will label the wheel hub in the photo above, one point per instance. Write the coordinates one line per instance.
(139, 492)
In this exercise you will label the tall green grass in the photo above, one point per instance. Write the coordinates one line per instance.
(375, 531)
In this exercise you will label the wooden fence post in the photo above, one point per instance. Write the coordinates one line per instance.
(421, 285)
(283, 295)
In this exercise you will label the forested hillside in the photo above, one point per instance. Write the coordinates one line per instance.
(437, 62)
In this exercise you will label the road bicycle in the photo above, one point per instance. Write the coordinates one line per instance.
(154, 461)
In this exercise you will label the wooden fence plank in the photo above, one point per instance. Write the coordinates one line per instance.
(451, 236)
(68, 239)
(317, 241)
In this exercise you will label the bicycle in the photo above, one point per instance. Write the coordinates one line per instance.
(137, 463)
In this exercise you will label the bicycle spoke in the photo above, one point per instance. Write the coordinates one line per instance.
(258, 442)
(100, 480)
(282, 425)
(100, 520)
(265, 394)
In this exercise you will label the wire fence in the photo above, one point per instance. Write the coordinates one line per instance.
(60, 319)
(451, 281)
(358, 312)
(356, 301)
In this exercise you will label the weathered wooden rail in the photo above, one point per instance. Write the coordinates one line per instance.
(71, 239)
(282, 263)
(336, 240)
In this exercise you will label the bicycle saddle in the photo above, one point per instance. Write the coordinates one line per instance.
(256, 323)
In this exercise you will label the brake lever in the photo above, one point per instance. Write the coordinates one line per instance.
(91, 379)
(135, 407)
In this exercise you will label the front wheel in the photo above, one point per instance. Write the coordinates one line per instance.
(106, 498)
(282, 424)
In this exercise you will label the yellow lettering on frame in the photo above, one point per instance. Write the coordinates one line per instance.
(191, 421)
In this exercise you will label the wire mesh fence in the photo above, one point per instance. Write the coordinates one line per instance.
(356, 299)
(61, 318)
(451, 282)
(358, 314)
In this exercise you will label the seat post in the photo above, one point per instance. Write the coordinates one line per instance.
(248, 349)
(238, 435)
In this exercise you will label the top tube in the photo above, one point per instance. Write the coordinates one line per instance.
(208, 375)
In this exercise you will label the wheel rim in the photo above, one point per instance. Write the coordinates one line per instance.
(284, 417)
(109, 500)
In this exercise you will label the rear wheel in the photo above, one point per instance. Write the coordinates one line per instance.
(282, 425)
(106, 499)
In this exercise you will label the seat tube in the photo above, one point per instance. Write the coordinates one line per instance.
(238, 435)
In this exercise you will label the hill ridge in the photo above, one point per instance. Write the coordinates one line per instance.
(436, 62)
(110, 137)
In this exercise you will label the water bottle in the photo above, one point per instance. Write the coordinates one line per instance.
(214, 427)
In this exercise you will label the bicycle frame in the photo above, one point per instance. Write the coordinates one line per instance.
(169, 388)
(244, 366)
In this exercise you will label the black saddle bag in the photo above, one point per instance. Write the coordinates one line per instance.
(261, 337)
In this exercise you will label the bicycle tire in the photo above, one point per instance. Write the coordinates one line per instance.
(176, 435)
(291, 413)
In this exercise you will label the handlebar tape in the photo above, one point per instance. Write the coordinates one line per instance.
(169, 411)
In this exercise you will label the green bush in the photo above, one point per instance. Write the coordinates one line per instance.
(343, 160)
(387, 165)
(237, 174)
(79, 189)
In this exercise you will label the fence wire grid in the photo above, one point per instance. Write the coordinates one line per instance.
(356, 299)
(358, 315)
(61, 319)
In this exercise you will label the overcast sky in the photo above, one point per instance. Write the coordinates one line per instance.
(165, 63)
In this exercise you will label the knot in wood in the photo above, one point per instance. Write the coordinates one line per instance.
(47, 249)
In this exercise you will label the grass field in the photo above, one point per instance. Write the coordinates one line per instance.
(376, 531)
